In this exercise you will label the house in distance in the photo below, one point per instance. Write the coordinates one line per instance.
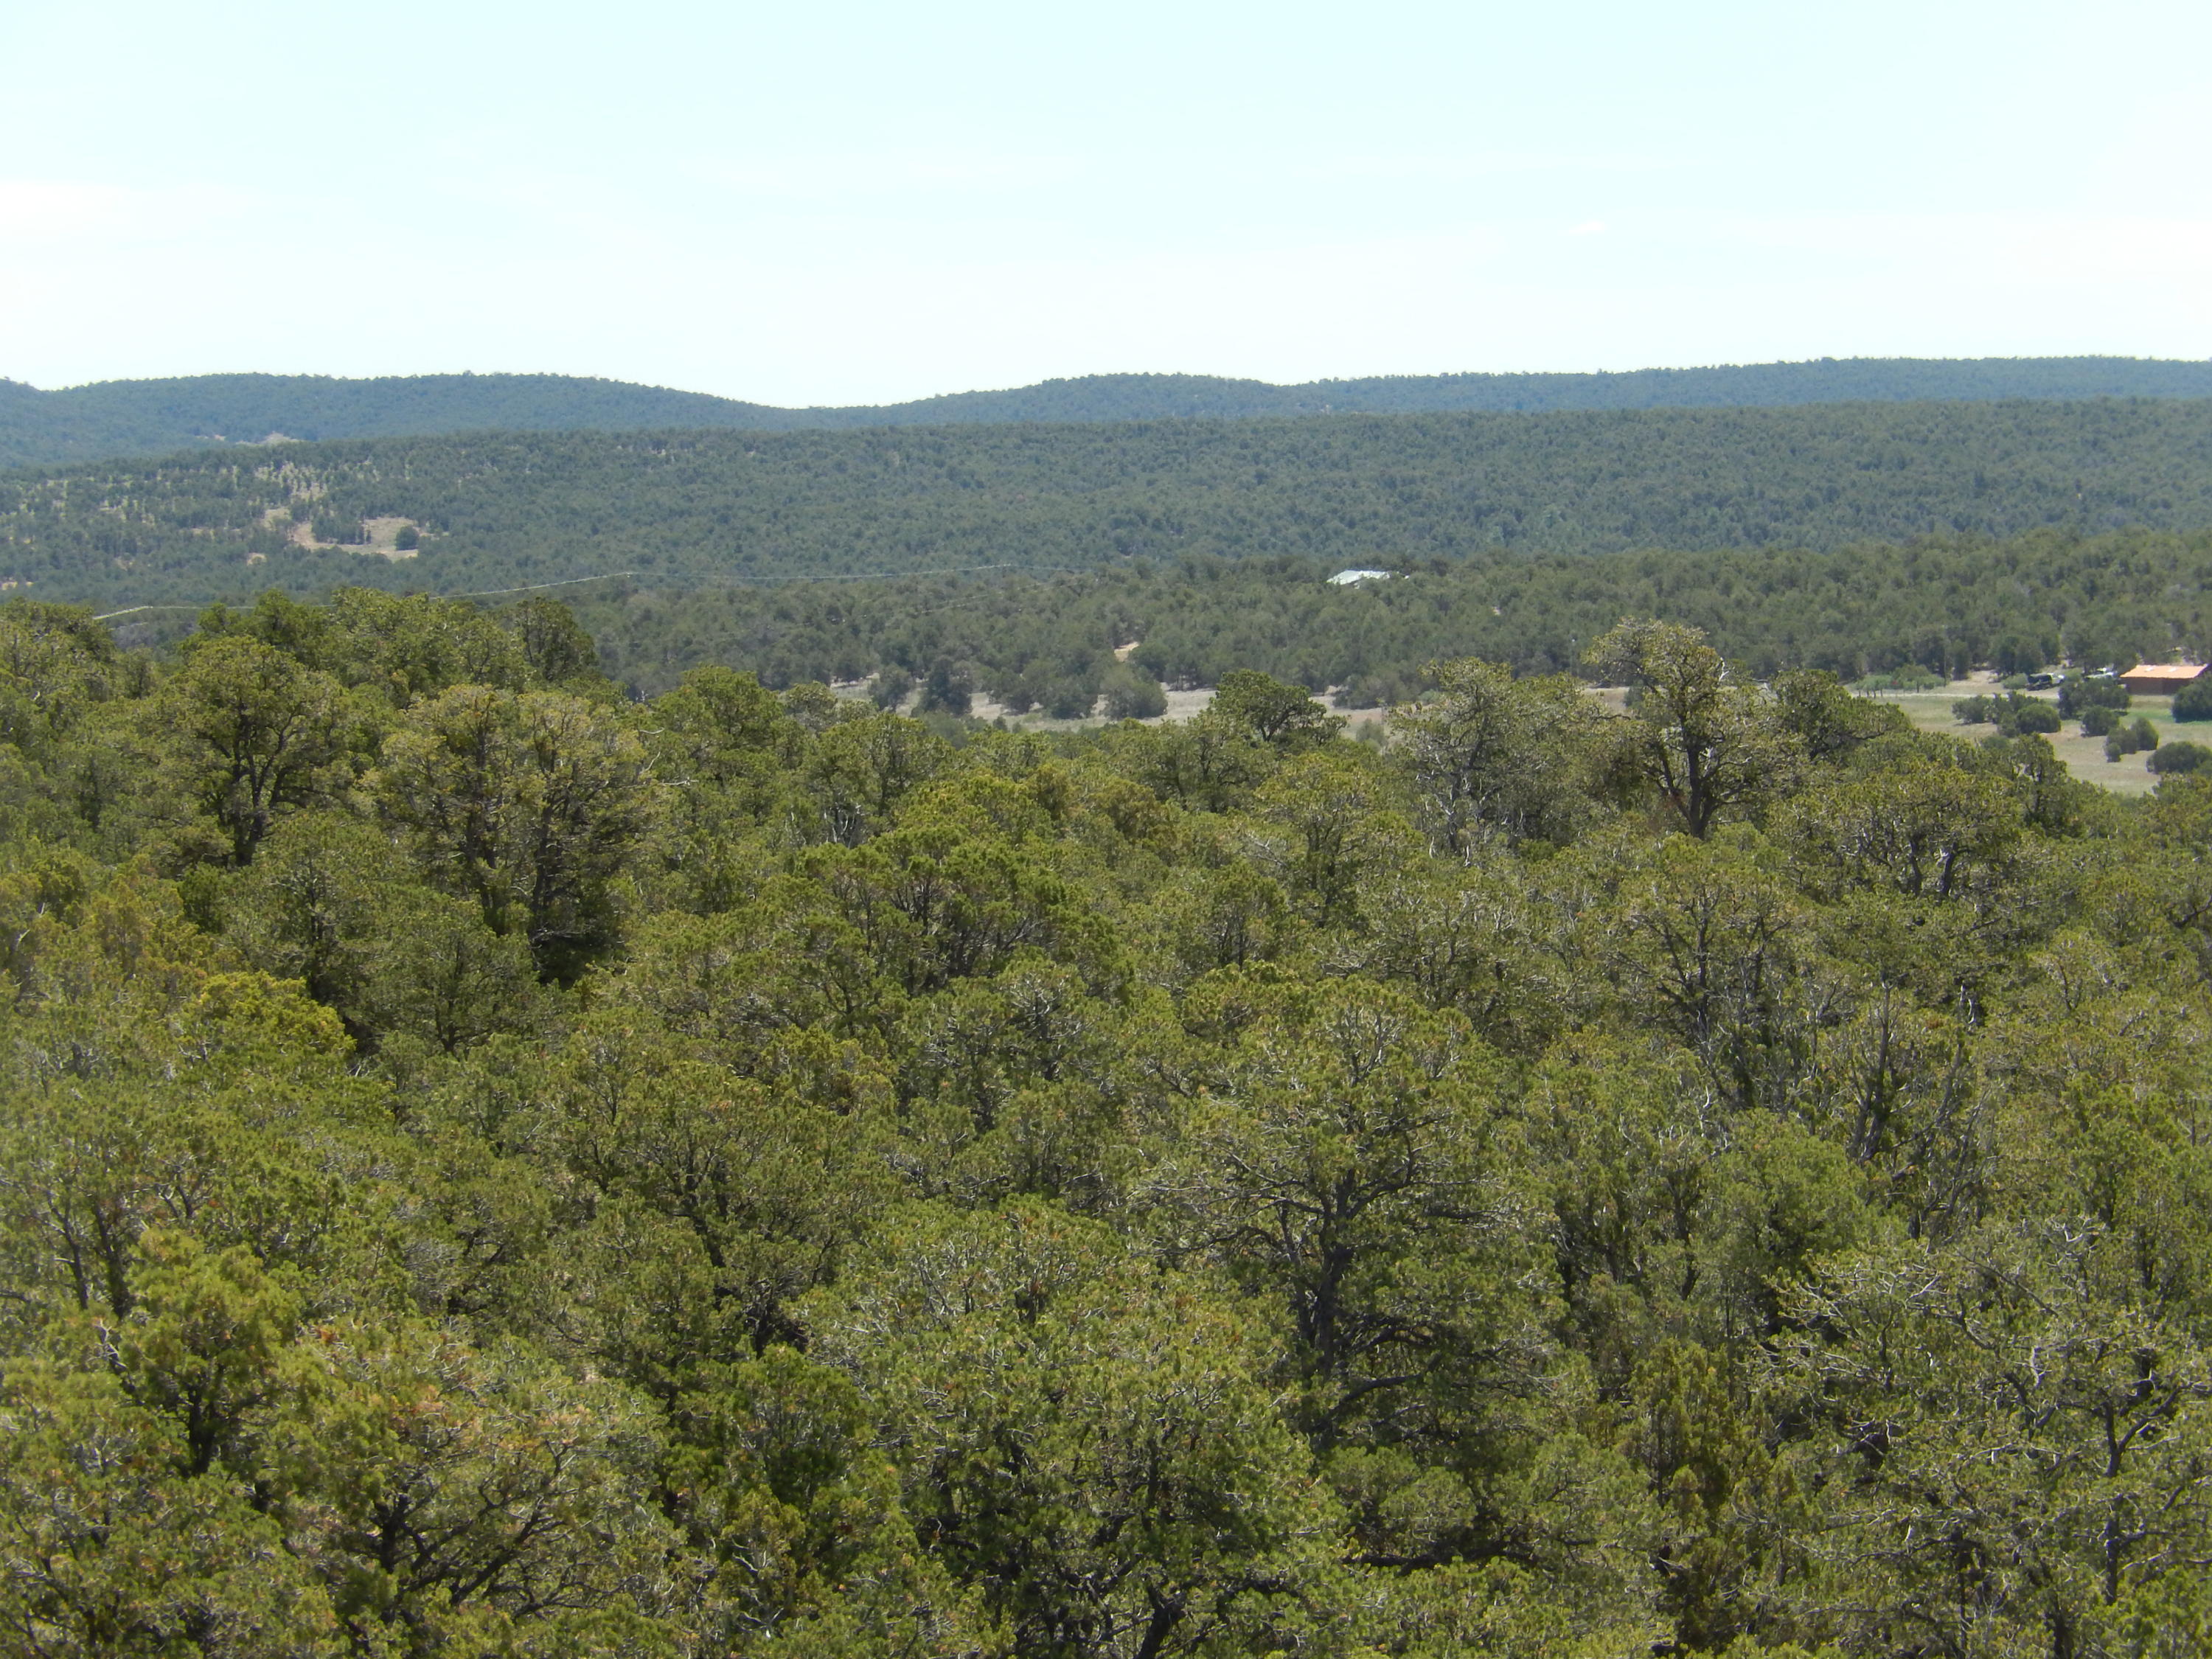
(2160, 679)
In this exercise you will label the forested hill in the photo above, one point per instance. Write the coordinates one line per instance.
(1824, 381)
(154, 418)
(147, 418)
(681, 509)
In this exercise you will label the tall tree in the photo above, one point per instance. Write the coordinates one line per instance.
(1496, 757)
(246, 734)
(1702, 741)
(526, 803)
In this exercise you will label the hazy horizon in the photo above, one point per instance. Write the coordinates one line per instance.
(971, 391)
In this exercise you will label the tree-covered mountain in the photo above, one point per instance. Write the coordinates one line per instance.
(147, 418)
(155, 417)
(681, 510)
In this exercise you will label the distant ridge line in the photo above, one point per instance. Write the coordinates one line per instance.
(117, 419)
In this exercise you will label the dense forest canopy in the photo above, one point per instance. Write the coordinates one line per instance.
(1947, 606)
(146, 417)
(494, 1168)
(683, 509)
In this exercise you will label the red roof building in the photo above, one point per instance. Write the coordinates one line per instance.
(2160, 679)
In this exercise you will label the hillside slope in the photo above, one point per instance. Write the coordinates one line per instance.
(149, 417)
(154, 418)
(1948, 603)
(686, 508)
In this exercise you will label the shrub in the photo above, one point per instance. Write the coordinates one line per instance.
(1910, 677)
(1384, 690)
(1018, 694)
(2194, 701)
(2138, 737)
(1069, 700)
(2100, 721)
(2014, 714)
(2077, 696)
(2179, 757)
(892, 685)
(953, 728)
(1133, 694)
(2028, 714)
(949, 690)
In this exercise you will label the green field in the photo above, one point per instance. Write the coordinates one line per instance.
(1931, 711)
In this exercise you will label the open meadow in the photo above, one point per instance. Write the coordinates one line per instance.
(1931, 711)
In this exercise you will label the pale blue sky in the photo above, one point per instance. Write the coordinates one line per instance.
(863, 203)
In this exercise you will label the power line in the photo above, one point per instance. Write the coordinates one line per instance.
(724, 581)
(134, 609)
(883, 575)
(480, 593)
(494, 592)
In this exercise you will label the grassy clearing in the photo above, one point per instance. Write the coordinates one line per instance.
(2084, 757)
(1930, 711)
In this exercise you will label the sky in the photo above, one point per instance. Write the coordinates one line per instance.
(860, 203)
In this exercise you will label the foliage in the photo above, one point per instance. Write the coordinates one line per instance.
(1949, 605)
(1912, 676)
(1131, 693)
(2137, 737)
(2011, 713)
(492, 1169)
(2179, 758)
(1491, 756)
(2194, 701)
(1699, 739)
(2081, 692)
(691, 510)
